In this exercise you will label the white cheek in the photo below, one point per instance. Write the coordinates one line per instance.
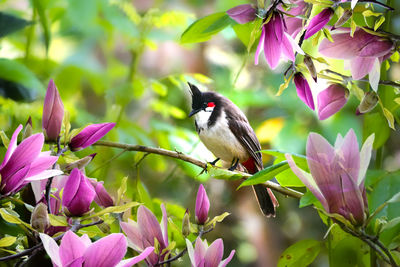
(209, 109)
(202, 118)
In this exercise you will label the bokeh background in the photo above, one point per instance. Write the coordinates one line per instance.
(121, 61)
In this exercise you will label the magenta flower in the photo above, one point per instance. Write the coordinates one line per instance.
(365, 52)
(141, 234)
(53, 112)
(202, 205)
(78, 194)
(102, 197)
(337, 174)
(276, 42)
(24, 163)
(242, 13)
(210, 256)
(90, 135)
(293, 24)
(303, 90)
(318, 22)
(331, 100)
(39, 188)
(80, 251)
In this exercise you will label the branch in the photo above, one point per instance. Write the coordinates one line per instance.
(39, 246)
(179, 155)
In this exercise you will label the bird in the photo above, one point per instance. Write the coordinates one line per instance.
(225, 131)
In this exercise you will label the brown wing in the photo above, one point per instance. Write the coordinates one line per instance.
(242, 130)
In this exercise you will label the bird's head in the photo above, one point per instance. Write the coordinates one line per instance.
(201, 101)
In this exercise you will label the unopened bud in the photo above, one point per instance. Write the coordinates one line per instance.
(28, 129)
(40, 218)
(80, 164)
(344, 18)
(186, 224)
(368, 103)
(310, 66)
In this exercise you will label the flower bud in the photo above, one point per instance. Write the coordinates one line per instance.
(242, 13)
(28, 129)
(78, 194)
(331, 100)
(310, 66)
(40, 218)
(343, 19)
(186, 224)
(369, 101)
(318, 22)
(202, 205)
(90, 135)
(53, 112)
(80, 164)
(102, 197)
(303, 90)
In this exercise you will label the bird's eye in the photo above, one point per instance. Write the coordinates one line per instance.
(210, 104)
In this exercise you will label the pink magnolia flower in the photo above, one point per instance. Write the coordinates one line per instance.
(337, 174)
(242, 13)
(303, 90)
(331, 100)
(210, 256)
(318, 22)
(293, 24)
(78, 194)
(24, 163)
(364, 51)
(53, 112)
(102, 197)
(80, 251)
(141, 234)
(202, 205)
(90, 135)
(276, 42)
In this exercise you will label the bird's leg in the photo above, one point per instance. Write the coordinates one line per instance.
(214, 162)
(235, 163)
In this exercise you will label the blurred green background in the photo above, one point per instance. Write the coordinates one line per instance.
(121, 61)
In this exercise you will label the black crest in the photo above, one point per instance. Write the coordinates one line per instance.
(197, 96)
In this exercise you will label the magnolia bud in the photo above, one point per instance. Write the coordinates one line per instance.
(342, 20)
(369, 101)
(28, 129)
(310, 66)
(80, 164)
(186, 224)
(40, 218)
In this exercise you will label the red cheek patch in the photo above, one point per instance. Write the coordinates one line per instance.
(210, 104)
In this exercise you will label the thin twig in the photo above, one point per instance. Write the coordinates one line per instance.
(179, 155)
(349, 78)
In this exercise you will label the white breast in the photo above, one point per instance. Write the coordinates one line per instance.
(219, 139)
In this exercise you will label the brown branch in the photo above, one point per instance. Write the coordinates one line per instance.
(179, 155)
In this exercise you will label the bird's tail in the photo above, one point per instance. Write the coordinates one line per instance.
(265, 197)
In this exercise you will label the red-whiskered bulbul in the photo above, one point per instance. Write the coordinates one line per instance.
(226, 132)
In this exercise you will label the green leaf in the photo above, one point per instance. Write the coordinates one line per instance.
(308, 199)
(379, 22)
(223, 174)
(266, 174)
(7, 241)
(10, 23)
(40, 6)
(12, 217)
(218, 218)
(159, 88)
(203, 29)
(376, 123)
(395, 198)
(14, 71)
(389, 231)
(143, 195)
(349, 252)
(389, 117)
(284, 85)
(58, 220)
(121, 190)
(301, 253)
(4, 139)
(113, 209)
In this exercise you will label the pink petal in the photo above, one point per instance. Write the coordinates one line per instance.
(108, 251)
(331, 100)
(134, 235)
(164, 224)
(53, 112)
(303, 90)
(376, 48)
(350, 155)
(287, 48)
(374, 75)
(90, 135)
(41, 163)
(132, 261)
(214, 253)
(71, 248)
(11, 184)
(11, 146)
(242, 13)
(260, 45)
(202, 205)
(51, 248)
(318, 22)
(272, 46)
(149, 226)
(200, 251)
(227, 260)
(361, 66)
(365, 157)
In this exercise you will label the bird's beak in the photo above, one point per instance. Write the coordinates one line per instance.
(194, 111)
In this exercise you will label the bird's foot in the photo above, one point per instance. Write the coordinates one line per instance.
(209, 162)
(235, 163)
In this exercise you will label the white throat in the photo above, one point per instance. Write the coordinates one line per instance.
(202, 117)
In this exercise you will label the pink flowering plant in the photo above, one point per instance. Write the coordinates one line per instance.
(108, 171)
